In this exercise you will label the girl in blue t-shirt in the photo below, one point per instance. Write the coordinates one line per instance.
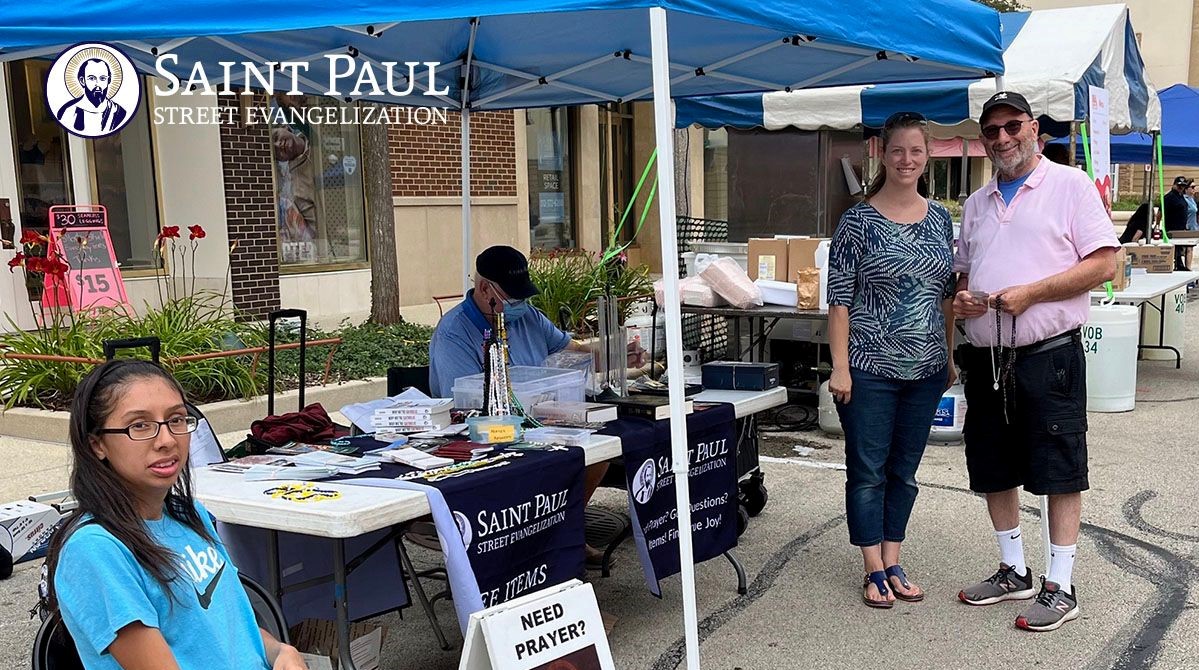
(142, 580)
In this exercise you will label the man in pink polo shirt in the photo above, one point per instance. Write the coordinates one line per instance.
(1034, 242)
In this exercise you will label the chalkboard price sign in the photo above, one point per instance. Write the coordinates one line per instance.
(80, 235)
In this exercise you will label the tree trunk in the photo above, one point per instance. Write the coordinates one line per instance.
(682, 185)
(376, 175)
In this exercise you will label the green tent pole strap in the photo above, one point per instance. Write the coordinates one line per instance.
(1161, 184)
(1086, 150)
(633, 200)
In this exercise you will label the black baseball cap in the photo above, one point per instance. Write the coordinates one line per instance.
(1008, 98)
(507, 267)
(1183, 181)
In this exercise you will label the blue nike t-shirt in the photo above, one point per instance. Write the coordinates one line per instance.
(101, 588)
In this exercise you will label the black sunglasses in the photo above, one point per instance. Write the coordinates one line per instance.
(1011, 128)
(904, 117)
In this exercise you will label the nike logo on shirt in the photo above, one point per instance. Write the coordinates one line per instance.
(205, 598)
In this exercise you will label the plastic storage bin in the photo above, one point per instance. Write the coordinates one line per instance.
(531, 385)
(495, 429)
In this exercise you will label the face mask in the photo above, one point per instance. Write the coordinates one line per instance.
(515, 310)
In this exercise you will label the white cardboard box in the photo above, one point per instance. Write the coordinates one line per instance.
(26, 527)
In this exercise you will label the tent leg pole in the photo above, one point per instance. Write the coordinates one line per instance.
(664, 133)
(467, 256)
(1073, 143)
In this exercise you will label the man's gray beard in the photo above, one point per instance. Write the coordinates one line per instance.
(1028, 149)
(95, 95)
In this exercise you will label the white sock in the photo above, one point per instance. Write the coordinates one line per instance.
(1061, 566)
(1011, 548)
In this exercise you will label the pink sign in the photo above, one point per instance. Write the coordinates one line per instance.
(79, 233)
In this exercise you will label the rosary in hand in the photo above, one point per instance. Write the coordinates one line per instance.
(1003, 373)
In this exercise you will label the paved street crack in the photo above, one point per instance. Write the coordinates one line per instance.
(673, 656)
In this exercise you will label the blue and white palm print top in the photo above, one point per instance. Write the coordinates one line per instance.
(893, 277)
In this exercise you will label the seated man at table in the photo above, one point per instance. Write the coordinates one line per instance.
(456, 350)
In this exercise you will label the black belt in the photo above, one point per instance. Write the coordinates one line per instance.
(1050, 343)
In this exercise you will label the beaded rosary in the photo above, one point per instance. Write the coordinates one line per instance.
(1003, 374)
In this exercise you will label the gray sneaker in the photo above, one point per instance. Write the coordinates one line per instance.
(1052, 608)
(1003, 585)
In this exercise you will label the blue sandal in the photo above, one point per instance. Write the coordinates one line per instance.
(879, 579)
(898, 573)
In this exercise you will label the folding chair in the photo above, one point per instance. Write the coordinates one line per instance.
(54, 649)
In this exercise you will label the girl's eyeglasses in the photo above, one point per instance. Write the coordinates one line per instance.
(148, 430)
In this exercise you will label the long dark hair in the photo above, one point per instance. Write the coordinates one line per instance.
(897, 122)
(100, 491)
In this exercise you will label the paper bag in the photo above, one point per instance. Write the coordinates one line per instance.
(808, 288)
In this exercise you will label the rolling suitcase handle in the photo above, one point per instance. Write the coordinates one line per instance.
(111, 347)
(302, 315)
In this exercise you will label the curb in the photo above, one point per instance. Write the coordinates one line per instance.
(226, 416)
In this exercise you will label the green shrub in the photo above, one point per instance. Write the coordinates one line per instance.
(366, 350)
(569, 282)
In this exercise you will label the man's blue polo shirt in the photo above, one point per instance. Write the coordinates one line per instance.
(456, 349)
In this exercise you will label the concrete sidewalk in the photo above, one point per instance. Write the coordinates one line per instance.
(1138, 558)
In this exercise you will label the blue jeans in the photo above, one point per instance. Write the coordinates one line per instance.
(886, 426)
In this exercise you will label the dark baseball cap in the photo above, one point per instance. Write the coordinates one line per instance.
(1183, 181)
(1008, 98)
(507, 267)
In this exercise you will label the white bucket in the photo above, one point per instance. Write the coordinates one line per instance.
(950, 417)
(830, 421)
(1110, 341)
(1172, 336)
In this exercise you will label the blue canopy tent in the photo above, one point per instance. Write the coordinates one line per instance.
(498, 54)
(1091, 46)
(1179, 132)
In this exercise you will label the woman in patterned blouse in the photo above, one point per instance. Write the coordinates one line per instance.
(890, 293)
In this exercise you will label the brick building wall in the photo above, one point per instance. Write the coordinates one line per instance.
(426, 161)
(250, 211)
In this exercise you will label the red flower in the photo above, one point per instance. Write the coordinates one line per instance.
(57, 268)
(16, 261)
(32, 238)
(37, 264)
(197, 232)
(168, 232)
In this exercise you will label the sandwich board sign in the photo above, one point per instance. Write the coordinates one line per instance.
(558, 628)
(79, 233)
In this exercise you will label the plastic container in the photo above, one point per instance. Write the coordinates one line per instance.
(950, 417)
(583, 361)
(495, 429)
(1173, 334)
(738, 251)
(531, 385)
(830, 421)
(778, 292)
(1109, 339)
(642, 327)
(822, 263)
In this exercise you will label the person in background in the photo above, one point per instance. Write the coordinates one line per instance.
(891, 333)
(1034, 241)
(1177, 215)
(1058, 153)
(138, 572)
(1192, 207)
(1135, 229)
(502, 285)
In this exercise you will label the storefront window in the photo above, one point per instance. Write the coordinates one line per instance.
(551, 205)
(42, 174)
(318, 186)
(124, 169)
(716, 174)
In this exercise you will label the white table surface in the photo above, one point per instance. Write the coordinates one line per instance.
(1144, 287)
(362, 509)
(746, 402)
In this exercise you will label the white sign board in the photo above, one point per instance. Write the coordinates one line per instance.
(1101, 148)
(556, 627)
